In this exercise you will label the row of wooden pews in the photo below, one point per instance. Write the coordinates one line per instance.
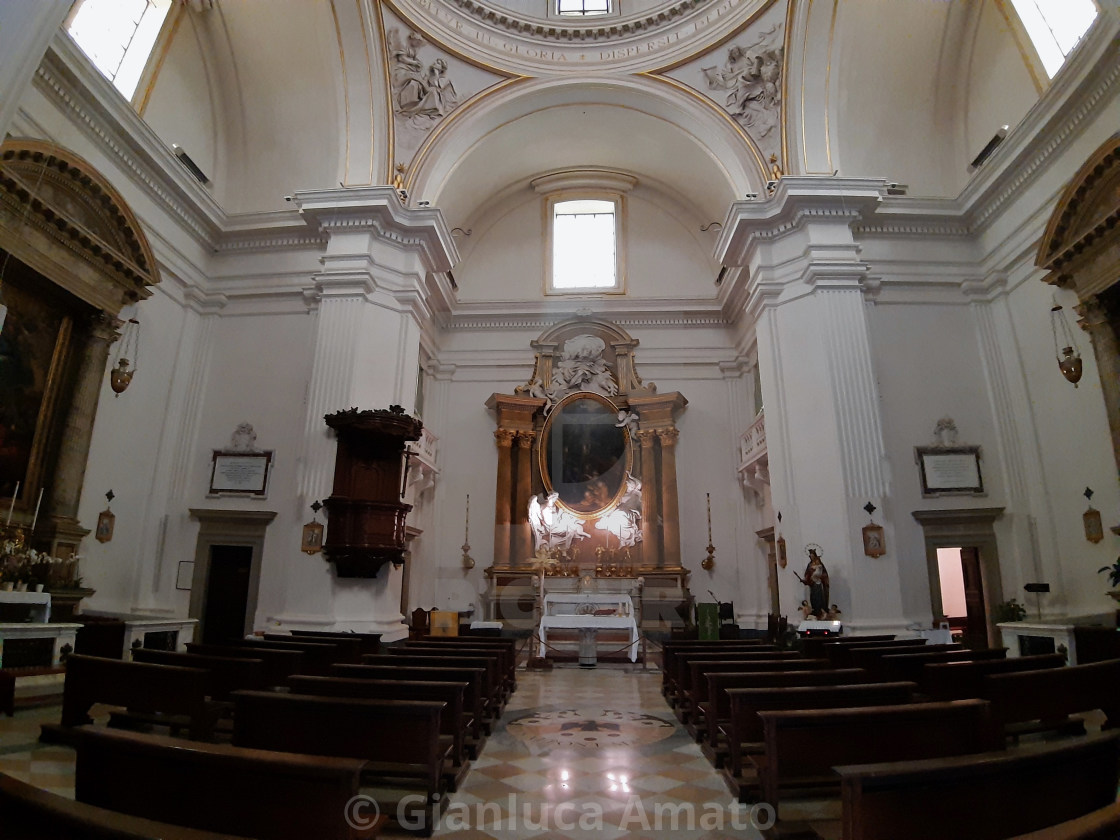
(780, 724)
(332, 714)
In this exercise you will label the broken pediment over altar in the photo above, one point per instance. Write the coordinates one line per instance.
(586, 472)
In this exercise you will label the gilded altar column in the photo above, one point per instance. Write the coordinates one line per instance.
(651, 542)
(671, 528)
(523, 536)
(504, 438)
(1094, 320)
(66, 484)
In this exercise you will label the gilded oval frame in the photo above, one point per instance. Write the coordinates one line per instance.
(605, 450)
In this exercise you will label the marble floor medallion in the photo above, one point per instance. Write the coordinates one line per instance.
(589, 728)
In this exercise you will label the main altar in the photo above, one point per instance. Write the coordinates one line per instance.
(586, 481)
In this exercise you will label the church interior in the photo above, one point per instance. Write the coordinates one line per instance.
(587, 342)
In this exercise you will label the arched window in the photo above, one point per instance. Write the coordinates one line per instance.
(1055, 27)
(118, 36)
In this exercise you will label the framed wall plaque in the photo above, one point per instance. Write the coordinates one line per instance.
(184, 575)
(240, 473)
(950, 470)
(106, 523)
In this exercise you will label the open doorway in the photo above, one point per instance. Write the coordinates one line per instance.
(967, 538)
(962, 594)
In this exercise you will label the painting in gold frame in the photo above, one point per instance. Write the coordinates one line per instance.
(1094, 530)
(106, 524)
(874, 540)
(312, 542)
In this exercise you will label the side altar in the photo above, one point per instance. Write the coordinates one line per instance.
(586, 480)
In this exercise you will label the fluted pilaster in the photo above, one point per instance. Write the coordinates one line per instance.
(670, 514)
(651, 536)
(504, 438)
(523, 537)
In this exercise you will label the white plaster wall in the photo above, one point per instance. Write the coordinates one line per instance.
(927, 363)
(684, 360)
(885, 90)
(1074, 452)
(665, 254)
(999, 88)
(181, 108)
(259, 372)
(127, 437)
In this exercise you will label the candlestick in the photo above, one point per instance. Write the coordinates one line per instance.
(468, 561)
(35, 518)
(12, 506)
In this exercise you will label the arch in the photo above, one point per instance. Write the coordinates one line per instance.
(1088, 209)
(637, 123)
(62, 217)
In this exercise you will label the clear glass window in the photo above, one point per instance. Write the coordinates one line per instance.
(118, 36)
(584, 245)
(582, 8)
(1055, 27)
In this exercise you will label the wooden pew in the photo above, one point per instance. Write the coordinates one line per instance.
(452, 721)
(318, 657)
(1053, 694)
(31, 813)
(348, 648)
(278, 664)
(217, 787)
(491, 682)
(801, 747)
(680, 678)
(506, 647)
(1102, 824)
(868, 657)
(226, 674)
(697, 691)
(991, 796)
(399, 740)
(670, 649)
(473, 698)
(909, 666)
(961, 680)
(370, 642)
(717, 708)
(506, 665)
(177, 693)
(839, 653)
(814, 646)
(743, 731)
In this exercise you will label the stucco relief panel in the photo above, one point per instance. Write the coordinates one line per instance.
(745, 78)
(426, 84)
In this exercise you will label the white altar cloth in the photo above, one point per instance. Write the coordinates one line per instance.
(560, 613)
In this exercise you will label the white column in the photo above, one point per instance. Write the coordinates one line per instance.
(26, 28)
(824, 426)
(370, 305)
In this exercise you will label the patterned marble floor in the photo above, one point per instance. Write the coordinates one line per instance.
(578, 753)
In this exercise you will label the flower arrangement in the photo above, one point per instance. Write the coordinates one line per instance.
(23, 567)
(1009, 611)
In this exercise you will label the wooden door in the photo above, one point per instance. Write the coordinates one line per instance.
(227, 593)
(976, 626)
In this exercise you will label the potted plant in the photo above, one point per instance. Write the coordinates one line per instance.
(1113, 578)
(1009, 611)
